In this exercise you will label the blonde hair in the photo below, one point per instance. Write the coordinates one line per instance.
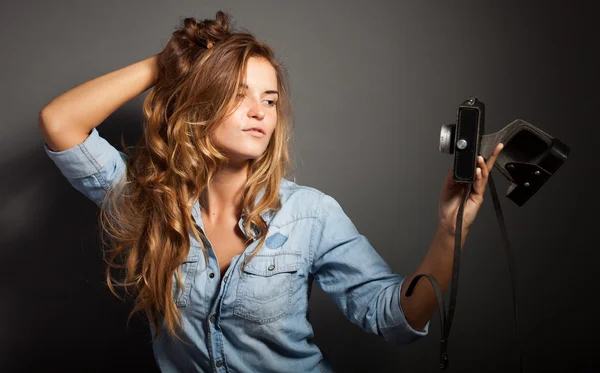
(148, 218)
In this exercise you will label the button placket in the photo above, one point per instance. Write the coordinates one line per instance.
(213, 292)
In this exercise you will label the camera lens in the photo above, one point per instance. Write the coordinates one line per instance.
(447, 138)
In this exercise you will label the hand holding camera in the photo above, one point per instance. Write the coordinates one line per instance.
(452, 193)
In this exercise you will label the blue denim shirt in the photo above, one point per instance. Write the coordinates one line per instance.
(256, 320)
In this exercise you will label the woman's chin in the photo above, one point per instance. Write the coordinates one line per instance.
(239, 160)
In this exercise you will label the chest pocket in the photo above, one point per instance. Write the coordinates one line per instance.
(188, 272)
(264, 289)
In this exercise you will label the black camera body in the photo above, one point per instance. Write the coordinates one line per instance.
(463, 139)
(529, 157)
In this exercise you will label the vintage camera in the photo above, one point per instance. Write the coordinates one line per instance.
(529, 157)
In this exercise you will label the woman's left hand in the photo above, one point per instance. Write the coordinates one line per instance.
(452, 195)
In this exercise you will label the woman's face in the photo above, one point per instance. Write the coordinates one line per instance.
(245, 133)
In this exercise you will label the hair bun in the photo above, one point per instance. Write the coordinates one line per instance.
(207, 32)
(189, 41)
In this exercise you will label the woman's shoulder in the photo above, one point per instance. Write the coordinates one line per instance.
(291, 189)
(305, 200)
(300, 201)
(297, 200)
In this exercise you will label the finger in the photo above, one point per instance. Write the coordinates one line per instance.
(481, 176)
(484, 167)
(479, 184)
(492, 159)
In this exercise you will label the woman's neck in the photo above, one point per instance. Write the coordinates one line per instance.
(222, 200)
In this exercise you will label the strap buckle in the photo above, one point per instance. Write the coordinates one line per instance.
(444, 361)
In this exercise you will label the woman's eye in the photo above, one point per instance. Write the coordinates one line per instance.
(271, 102)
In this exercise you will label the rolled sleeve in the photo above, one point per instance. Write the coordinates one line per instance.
(347, 267)
(92, 167)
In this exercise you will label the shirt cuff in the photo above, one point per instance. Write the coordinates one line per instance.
(84, 159)
(402, 332)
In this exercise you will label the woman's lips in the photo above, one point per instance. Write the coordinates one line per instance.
(254, 133)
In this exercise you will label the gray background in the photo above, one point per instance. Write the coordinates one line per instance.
(372, 82)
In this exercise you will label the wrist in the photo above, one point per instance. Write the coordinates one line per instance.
(447, 234)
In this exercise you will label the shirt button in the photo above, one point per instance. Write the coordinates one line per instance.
(212, 318)
(225, 279)
(219, 363)
(211, 275)
(271, 267)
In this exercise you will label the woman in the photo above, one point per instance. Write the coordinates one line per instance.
(212, 242)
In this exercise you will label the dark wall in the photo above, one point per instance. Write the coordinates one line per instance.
(372, 83)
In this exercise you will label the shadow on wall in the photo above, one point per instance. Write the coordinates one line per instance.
(57, 312)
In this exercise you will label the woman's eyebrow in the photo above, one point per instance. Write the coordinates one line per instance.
(269, 91)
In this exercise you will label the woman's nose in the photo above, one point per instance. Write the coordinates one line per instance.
(256, 110)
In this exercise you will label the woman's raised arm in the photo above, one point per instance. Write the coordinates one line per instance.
(69, 118)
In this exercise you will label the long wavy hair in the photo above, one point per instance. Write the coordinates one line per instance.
(146, 219)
